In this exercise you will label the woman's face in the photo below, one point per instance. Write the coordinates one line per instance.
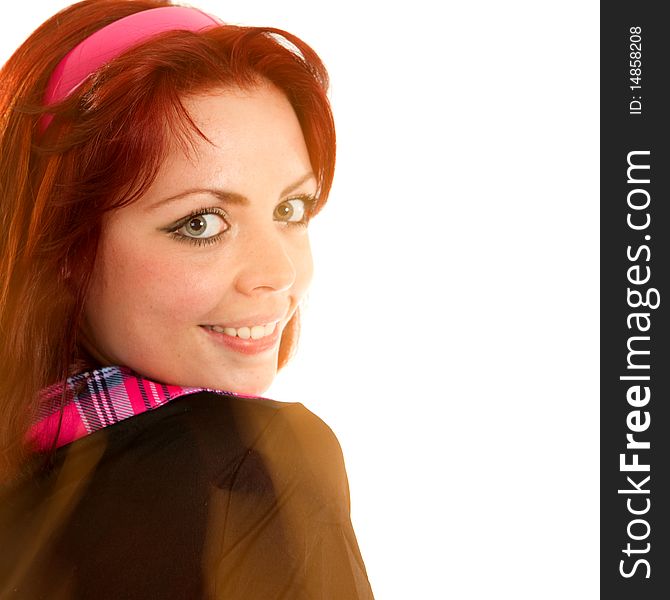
(196, 281)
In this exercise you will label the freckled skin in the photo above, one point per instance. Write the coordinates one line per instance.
(150, 292)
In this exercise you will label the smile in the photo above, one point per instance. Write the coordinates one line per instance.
(254, 332)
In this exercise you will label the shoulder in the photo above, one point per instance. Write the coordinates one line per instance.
(256, 423)
(305, 461)
(286, 437)
(258, 457)
(206, 439)
(216, 432)
(281, 445)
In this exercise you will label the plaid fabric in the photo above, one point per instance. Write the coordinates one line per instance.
(98, 399)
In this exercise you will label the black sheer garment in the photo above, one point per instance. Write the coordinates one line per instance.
(208, 496)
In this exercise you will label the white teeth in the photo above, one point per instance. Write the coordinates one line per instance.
(255, 332)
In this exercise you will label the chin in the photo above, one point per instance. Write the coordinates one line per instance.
(255, 385)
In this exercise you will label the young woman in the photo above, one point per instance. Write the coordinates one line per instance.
(158, 171)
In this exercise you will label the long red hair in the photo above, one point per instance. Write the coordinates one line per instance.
(102, 151)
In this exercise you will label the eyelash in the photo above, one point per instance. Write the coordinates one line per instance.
(308, 201)
(193, 240)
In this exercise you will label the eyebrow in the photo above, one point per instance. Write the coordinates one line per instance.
(227, 197)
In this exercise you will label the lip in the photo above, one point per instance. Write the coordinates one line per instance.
(249, 346)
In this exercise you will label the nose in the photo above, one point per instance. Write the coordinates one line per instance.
(265, 263)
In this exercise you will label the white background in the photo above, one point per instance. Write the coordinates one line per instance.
(450, 339)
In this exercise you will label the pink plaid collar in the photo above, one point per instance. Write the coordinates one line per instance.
(98, 399)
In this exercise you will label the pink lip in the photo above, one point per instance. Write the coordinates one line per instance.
(248, 346)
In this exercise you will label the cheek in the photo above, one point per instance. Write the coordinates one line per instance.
(139, 285)
(304, 266)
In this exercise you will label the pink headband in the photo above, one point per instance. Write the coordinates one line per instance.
(109, 42)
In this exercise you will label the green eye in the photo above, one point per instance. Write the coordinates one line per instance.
(203, 226)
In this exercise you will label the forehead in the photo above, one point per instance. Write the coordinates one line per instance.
(244, 123)
(251, 141)
(242, 128)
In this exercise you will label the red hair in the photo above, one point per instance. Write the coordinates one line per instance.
(102, 151)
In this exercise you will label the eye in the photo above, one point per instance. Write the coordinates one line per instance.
(204, 225)
(295, 210)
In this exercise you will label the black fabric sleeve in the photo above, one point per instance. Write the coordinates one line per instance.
(209, 496)
(284, 531)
